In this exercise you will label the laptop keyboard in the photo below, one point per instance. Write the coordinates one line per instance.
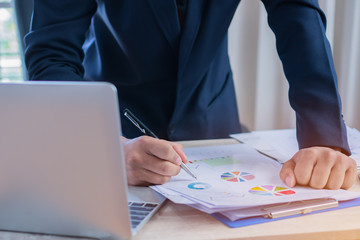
(139, 211)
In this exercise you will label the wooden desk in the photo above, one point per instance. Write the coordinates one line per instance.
(182, 222)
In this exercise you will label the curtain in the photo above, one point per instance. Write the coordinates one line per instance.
(261, 87)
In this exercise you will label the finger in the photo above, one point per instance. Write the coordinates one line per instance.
(146, 178)
(153, 178)
(287, 173)
(304, 164)
(180, 151)
(161, 167)
(350, 175)
(163, 150)
(140, 167)
(336, 177)
(323, 169)
(138, 162)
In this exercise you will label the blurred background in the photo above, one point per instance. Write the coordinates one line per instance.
(10, 60)
(261, 86)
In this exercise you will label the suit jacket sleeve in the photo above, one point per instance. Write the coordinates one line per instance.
(54, 44)
(299, 27)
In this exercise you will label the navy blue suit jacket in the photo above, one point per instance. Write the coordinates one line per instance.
(179, 80)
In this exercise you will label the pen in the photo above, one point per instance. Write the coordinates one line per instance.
(145, 130)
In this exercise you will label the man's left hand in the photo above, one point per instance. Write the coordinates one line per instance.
(320, 167)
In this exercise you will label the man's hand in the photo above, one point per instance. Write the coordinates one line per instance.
(319, 167)
(152, 161)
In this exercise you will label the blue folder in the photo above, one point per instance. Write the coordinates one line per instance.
(256, 220)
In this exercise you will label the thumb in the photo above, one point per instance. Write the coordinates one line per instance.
(287, 173)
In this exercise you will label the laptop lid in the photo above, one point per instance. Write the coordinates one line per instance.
(62, 168)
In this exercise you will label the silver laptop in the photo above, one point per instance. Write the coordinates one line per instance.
(62, 168)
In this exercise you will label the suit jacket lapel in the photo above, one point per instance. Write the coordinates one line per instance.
(165, 12)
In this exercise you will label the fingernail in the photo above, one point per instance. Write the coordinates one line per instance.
(178, 161)
(289, 181)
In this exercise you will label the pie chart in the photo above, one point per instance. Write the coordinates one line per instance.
(271, 190)
(199, 186)
(237, 176)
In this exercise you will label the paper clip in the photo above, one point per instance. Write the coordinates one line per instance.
(300, 207)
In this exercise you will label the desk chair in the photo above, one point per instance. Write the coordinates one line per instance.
(23, 13)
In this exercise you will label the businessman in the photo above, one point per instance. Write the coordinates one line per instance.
(169, 62)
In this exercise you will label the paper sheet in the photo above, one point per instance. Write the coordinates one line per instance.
(236, 177)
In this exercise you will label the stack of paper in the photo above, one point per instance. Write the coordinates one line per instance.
(237, 181)
(282, 144)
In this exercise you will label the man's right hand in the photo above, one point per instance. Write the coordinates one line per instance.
(151, 161)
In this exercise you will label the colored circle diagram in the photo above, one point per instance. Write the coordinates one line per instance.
(271, 190)
(199, 186)
(237, 176)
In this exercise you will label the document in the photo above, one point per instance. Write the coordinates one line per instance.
(237, 177)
